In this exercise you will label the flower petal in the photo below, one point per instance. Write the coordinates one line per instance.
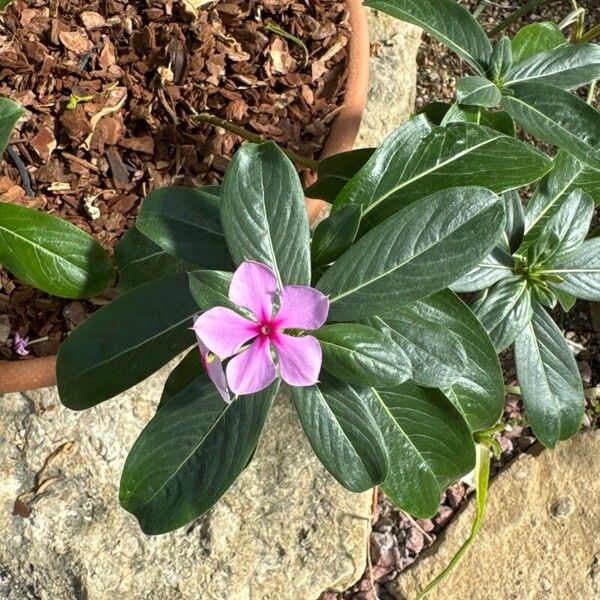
(223, 331)
(299, 359)
(301, 307)
(214, 370)
(253, 369)
(254, 286)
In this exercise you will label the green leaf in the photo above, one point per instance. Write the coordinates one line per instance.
(436, 354)
(190, 454)
(340, 424)
(566, 67)
(536, 38)
(498, 120)
(557, 117)
(435, 112)
(10, 113)
(496, 266)
(362, 355)
(550, 383)
(506, 311)
(140, 260)
(477, 91)
(185, 223)
(380, 173)
(52, 254)
(335, 171)
(448, 22)
(4, 4)
(334, 235)
(428, 443)
(501, 61)
(567, 174)
(460, 155)
(514, 229)
(479, 393)
(564, 232)
(415, 253)
(187, 371)
(580, 273)
(566, 301)
(125, 341)
(263, 212)
(211, 288)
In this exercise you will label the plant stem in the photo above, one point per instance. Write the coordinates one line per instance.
(531, 5)
(590, 35)
(512, 389)
(483, 4)
(255, 138)
(482, 477)
(592, 93)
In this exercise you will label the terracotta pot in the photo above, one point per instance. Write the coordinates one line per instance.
(20, 375)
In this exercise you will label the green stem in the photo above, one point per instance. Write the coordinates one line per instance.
(482, 477)
(592, 92)
(483, 4)
(590, 35)
(531, 5)
(255, 138)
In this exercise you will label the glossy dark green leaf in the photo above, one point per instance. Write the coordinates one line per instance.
(479, 393)
(536, 38)
(211, 288)
(428, 443)
(52, 254)
(501, 60)
(4, 4)
(496, 266)
(263, 212)
(566, 67)
(563, 233)
(380, 174)
(126, 341)
(339, 421)
(514, 229)
(185, 222)
(436, 354)
(550, 382)
(567, 175)
(415, 253)
(580, 273)
(459, 155)
(140, 260)
(506, 311)
(362, 355)
(10, 113)
(186, 372)
(334, 235)
(557, 117)
(477, 91)
(498, 120)
(448, 22)
(335, 171)
(190, 454)
(435, 112)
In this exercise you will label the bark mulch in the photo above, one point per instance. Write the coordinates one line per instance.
(111, 87)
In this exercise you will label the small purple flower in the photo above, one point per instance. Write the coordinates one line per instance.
(224, 332)
(20, 345)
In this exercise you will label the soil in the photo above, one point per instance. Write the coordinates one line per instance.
(397, 539)
(111, 87)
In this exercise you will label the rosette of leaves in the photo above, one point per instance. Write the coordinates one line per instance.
(43, 250)
(545, 260)
(527, 80)
(409, 374)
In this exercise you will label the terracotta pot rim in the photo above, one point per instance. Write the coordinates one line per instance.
(22, 375)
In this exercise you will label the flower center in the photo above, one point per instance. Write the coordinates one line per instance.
(266, 329)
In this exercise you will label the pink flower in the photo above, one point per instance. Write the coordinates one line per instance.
(20, 345)
(224, 332)
(214, 370)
